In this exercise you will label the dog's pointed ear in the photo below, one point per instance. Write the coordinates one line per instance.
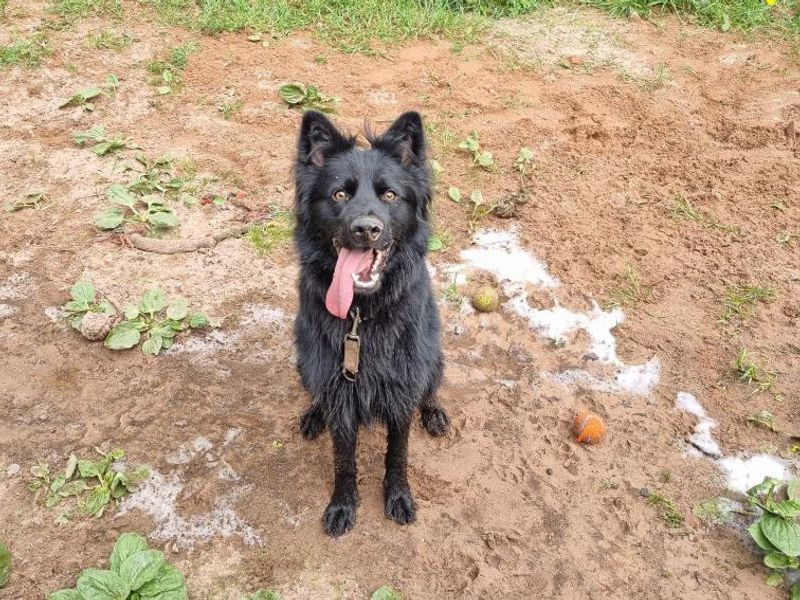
(405, 139)
(319, 138)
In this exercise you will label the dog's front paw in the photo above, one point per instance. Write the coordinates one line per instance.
(312, 423)
(339, 518)
(435, 421)
(400, 506)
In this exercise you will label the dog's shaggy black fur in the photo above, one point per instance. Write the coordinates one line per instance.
(401, 360)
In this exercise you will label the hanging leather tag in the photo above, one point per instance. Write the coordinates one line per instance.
(352, 349)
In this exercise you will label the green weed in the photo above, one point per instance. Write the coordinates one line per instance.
(94, 484)
(608, 484)
(669, 512)
(5, 565)
(630, 290)
(134, 572)
(523, 160)
(439, 241)
(34, 200)
(277, 232)
(149, 210)
(84, 301)
(307, 97)
(740, 302)
(450, 293)
(751, 373)
(480, 157)
(28, 52)
(101, 145)
(84, 8)
(230, 108)
(763, 418)
(82, 98)
(386, 593)
(785, 238)
(108, 40)
(169, 72)
(682, 208)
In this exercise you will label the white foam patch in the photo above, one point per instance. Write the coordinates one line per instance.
(262, 315)
(157, 497)
(742, 473)
(53, 313)
(499, 253)
(6, 311)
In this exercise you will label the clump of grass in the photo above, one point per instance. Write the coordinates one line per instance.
(277, 232)
(608, 484)
(108, 40)
(669, 512)
(230, 107)
(631, 290)
(725, 15)
(27, 52)
(170, 71)
(84, 8)
(740, 302)
(748, 371)
(682, 208)
(450, 293)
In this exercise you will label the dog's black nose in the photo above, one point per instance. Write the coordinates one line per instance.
(366, 229)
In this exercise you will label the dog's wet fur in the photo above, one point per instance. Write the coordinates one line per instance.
(401, 359)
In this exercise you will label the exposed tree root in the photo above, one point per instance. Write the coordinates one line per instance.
(162, 246)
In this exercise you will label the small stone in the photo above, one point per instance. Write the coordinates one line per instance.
(645, 492)
(96, 325)
(549, 471)
(12, 470)
(590, 356)
(575, 60)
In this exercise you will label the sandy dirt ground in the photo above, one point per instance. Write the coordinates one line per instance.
(623, 119)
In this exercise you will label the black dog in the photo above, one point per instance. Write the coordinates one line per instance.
(367, 331)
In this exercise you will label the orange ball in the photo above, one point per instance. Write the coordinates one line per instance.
(589, 427)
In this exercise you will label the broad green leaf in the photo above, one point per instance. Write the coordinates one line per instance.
(41, 471)
(435, 243)
(198, 320)
(65, 595)
(775, 560)
(117, 454)
(89, 468)
(73, 488)
(126, 546)
(783, 534)
(141, 567)
(293, 94)
(476, 197)
(167, 343)
(122, 336)
(5, 564)
(774, 579)
(100, 584)
(73, 306)
(95, 134)
(152, 345)
(177, 310)
(72, 464)
(119, 194)
(82, 292)
(131, 312)
(104, 306)
(525, 153)
(96, 503)
(108, 220)
(386, 593)
(56, 485)
(130, 479)
(759, 538)
(82, 96)
(163, 90)
(455, 194)
(112, 82)
(485, 159)
(796, 591)
(152, 301)
(793, 489)
(169, 584)
(788, 509)
(162, 219)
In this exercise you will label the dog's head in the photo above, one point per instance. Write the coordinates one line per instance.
(364, 208)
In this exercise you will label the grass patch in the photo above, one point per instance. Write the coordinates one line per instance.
(748, 371)
(669, 512)
(3, 4)
(169, 72)
(631, 290)
(683, 209)
(352, 25)
(744, 15)
(84, 8)
(278, 232)
(740, 302)
(28, 52)
(108, 40)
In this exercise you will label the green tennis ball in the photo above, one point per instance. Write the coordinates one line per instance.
(486, 299)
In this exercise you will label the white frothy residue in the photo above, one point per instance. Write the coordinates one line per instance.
(742, 473)
(498, 252)
(262, 315)
(6, 311)
(157, 497)
(16, 286)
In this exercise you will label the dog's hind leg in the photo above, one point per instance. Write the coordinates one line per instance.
(434, 418)
(312, 423)
(399, 503)
(340, 515)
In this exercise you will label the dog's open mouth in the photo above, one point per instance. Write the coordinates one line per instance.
(357, 269)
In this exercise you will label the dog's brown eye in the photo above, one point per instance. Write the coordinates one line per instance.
(340, 195)
(389, 196)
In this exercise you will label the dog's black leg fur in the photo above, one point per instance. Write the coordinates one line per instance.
(399, 503)
(312, 423)
(434, 418)
(340, 515)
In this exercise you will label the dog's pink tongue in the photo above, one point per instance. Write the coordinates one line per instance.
(340, 294)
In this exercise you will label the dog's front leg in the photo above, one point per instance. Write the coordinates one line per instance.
(340, 516)
(399, 503)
